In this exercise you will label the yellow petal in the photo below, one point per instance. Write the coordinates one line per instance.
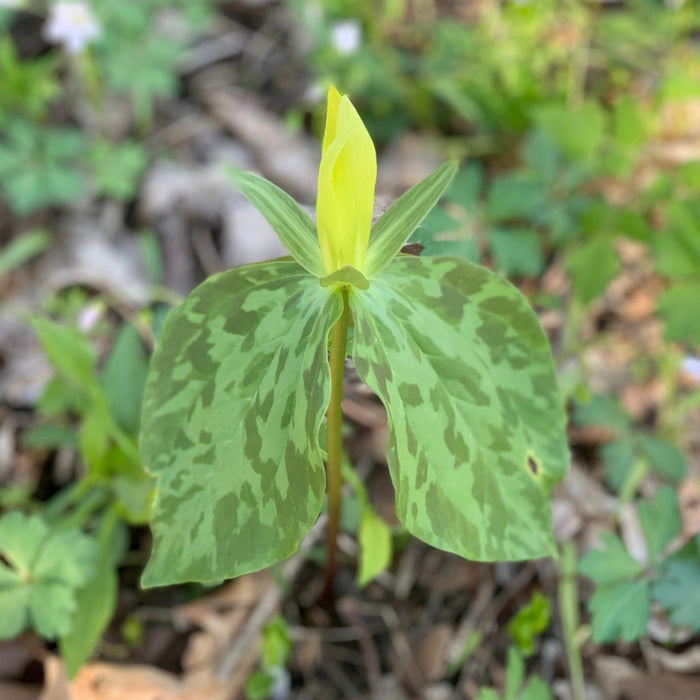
(346, 180)
(333, 103)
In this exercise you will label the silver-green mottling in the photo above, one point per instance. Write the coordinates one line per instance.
(235, 398)
(476, 428)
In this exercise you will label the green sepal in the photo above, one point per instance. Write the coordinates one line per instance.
(290, 222)
(402, 218)
(476, 426)
(347, 275)
(232, 410)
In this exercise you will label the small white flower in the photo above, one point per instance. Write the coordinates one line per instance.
(691, 367)
(89, 316)
(346, 36)
(71, 24)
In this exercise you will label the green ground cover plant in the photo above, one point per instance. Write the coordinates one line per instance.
(626, 587)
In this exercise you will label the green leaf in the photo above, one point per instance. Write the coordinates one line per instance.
(124, 378)
(677, 307)
(276, 645)
(68, 351)
(678, 250)
(578, 132)
(535, 689)
(514, 196)
(660, 521)
(95, 604)
(602, 410)
(466, 186)
(663, 456)
(14, 604)
(234, 401)
(678, 591)
(618, 457)
(258, 685)
(48, 567)
(117, 168)
(515, 674)
(374, 539)
(487, 694)
(96, 600)
(620, 611)
(20, 540)
(23, 248)
(402, 218)
(476, 428)
(289, 221)
(591, 267)
(529, 622)
(620, 605)
(611, 563)
(516, 251)
(629, 126)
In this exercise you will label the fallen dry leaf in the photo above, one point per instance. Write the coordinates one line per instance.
(689, 502)
(101, 681)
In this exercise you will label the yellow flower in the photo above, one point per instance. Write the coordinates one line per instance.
(346, 179)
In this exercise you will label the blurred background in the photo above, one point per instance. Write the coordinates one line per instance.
(577, 127)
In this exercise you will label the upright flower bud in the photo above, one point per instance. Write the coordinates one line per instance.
(346, 180)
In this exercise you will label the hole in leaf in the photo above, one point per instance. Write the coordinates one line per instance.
(532, 465)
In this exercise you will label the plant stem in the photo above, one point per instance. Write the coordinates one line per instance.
(334, 440)
(569, 612)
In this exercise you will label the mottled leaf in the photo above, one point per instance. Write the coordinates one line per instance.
(290, 222)
(232, 410)
(402, 218)
(476, 428)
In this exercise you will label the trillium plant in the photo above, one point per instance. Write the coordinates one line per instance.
(249, 373)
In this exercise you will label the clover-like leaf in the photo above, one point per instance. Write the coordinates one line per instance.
(476, 430)
(620, 611)
(609, 564)
(232, 410)
(678, 589)
(46, 568)
(620, 605)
